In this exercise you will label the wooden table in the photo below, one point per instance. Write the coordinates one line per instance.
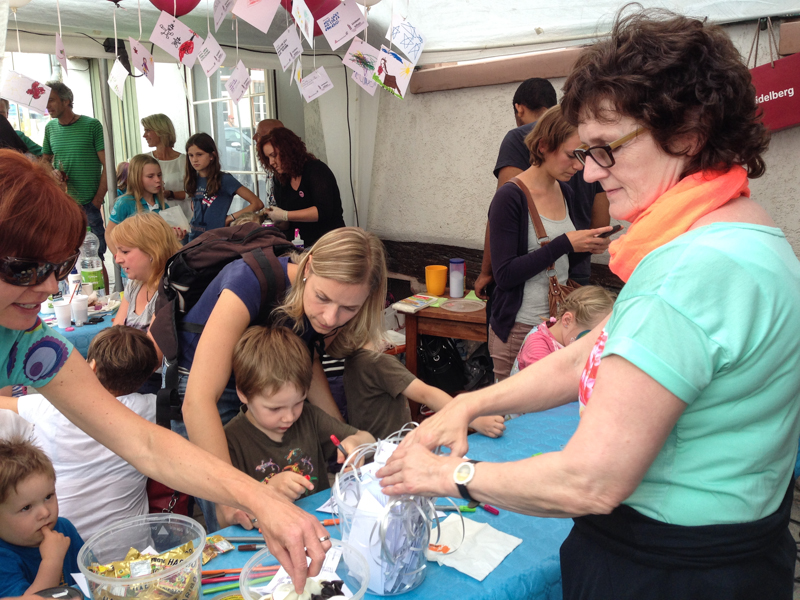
(444, 323)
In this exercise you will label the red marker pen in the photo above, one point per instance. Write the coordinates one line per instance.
(338, 444)
(489, 509)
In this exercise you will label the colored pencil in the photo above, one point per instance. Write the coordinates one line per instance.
(234, 586)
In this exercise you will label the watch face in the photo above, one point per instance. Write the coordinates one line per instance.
(464, 473)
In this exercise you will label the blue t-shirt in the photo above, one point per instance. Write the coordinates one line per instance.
(19, 565)
(32, 357)
(237, 277)
(209, 212)
(125, 206)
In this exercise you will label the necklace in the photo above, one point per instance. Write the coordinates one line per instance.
(74, 118)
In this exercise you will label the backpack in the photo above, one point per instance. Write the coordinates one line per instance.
(440, 364)
(188, 273)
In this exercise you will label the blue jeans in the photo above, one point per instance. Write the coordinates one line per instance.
(95, 218)
(228, 405)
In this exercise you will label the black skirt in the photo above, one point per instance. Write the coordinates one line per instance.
(626, 555)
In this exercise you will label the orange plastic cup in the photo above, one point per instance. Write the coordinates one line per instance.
(436, 279)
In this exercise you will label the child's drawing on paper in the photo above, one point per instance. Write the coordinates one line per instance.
(408, 39)
(26, 91)
(392, 73)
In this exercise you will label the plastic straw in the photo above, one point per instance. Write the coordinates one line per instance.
(235, 586)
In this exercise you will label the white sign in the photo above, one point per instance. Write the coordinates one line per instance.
(288, 46)
(259, 13)
(117, 77)
(304, 19)
(221, 10)
(406, 38)
(342, 23)
(61, 54)
(210, 56)
(26, 91)
(238, 83)
(176, 39)
(315, 84)
(142, 60)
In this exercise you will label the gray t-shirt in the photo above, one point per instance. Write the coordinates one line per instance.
(142, 321)
(535, 303)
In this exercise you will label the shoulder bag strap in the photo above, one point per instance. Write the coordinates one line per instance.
(538, 226)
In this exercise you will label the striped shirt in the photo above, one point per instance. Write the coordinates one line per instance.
(74, 148)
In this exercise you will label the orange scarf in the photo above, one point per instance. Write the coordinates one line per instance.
(674, 213)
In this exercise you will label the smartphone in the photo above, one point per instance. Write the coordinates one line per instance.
(610, 233)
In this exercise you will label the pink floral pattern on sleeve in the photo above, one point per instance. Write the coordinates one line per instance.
(590, 371)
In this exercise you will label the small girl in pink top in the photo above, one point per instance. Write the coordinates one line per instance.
(582, 311)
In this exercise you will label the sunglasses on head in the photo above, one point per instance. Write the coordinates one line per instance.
(30, 271)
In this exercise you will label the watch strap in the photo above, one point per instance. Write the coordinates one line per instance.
(462, 488)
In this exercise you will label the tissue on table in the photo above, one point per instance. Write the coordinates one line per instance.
(482, 550)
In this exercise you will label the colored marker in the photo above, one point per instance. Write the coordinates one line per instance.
(489, 509)
(338, 444)
(451, 508)
(251, 547)
(329, 522)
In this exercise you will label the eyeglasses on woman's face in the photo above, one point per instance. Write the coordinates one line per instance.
(604, 155)
(27, 272)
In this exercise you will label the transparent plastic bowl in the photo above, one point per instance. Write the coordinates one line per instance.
(352, 570)
(162, 532)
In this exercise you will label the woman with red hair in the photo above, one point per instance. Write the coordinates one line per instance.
(41, 231)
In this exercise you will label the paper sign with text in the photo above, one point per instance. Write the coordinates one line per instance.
(406, 38)
(26, 91)
(210, 56)
(221, 10)
(288, 46)
(238, 83)
(259, 13)
(343, 23)
(61, 54)
(315, 84)
(176, 39)
(142, 60)
(304, 19)
(117, 77)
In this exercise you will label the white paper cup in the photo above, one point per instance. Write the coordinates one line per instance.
(80, 309)
(63, 313)
(47, 306)
(87, 289)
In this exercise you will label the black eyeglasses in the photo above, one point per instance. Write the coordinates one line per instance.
(603, 155)
(29, 271)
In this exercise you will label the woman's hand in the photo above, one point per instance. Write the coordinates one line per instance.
(291, 534)
(179, 233)
(492, 427)
(292, 485)
(586, 240)
(277, 215)
(418, 471)
(448, 427)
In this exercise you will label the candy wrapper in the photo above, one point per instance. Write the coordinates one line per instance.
(215, 545)
(135, 563)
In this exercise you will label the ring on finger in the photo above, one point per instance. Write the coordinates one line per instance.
(324, 538)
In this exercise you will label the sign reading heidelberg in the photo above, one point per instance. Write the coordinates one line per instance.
(775, 92)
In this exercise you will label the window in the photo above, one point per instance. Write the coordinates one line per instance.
(232, 125)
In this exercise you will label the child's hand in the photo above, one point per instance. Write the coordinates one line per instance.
(492, 427)
(290, 484)
(179, 233)
(54, 547)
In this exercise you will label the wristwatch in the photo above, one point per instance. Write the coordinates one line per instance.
(462, 476)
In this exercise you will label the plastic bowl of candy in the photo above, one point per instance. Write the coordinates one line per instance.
(344, 574)
(156, 556)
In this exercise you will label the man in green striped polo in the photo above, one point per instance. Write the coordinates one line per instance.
(74, 144)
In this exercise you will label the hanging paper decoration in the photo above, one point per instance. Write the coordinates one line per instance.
(181, 7)
(343, 23)
(393, 72)
(369, 85)
(297, 72)
(211, 56)
(288, 47)
(238, 83)
(406, 38)
(259, 13)
(26, 91)
(117, 77)
(221, 9)
(316, 8)
(315, 84)
(363, 59)
(61, 54)
(17, 3)
(176, 39)
(142, 60)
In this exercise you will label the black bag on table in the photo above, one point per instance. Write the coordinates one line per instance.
(440, 364)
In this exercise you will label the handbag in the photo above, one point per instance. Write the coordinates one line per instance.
(441, 364)
(557, 292)
(163, 499)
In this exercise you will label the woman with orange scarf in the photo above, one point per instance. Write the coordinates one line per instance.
(679, 476)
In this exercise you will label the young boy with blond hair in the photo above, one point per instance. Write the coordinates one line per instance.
(38, 550)
(277, 437)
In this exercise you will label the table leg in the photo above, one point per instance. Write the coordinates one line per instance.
(411, 343)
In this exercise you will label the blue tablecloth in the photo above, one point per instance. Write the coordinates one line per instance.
(83, 336)
(532, 570)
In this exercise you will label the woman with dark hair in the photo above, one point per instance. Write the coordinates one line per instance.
(308, 197)
(41, 232)
(679, 476)
(211, 189)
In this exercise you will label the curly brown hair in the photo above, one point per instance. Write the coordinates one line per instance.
(678, 77)
(291, 151)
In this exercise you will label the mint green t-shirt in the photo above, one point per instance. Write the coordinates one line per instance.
(32, 357)
(74, 148)
(714, 317)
